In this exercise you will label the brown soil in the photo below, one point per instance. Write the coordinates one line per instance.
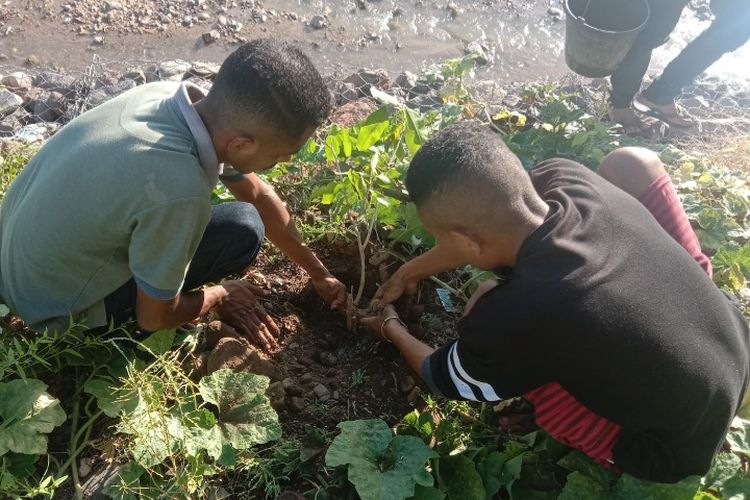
(317, 350)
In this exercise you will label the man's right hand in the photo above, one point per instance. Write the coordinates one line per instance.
(242, 310)
(401, 282)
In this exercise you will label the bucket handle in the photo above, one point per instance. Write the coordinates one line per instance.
(582, 17)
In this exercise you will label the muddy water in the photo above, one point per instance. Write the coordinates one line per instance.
(523, 42)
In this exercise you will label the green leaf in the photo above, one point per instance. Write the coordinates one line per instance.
(245, 414)
(739, 436)
(491, 469)
(21, 466)
(370, 134)
(108, 396)
(579, 486)
(200, 432)
(459, 478)
(724, 467)
(379, 471)
(427, 493)
(4, 310)
(28, 415)
(736, 488)
(578, 461)
(631, 488)
(159, 342)
(511, 471)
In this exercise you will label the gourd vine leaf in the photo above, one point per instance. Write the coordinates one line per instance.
(27, 415)
(381, 467)
(245, 415)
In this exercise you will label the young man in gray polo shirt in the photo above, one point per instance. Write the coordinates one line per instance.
(112, 220)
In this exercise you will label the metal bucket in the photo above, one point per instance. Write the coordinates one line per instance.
(599, 33)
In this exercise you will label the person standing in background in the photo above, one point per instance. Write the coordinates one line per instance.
(728, 31)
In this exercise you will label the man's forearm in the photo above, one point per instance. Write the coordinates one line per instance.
(155, 315)
(412, 349)
(434, 261)
(280, 227)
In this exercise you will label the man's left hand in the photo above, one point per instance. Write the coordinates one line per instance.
(331, 290)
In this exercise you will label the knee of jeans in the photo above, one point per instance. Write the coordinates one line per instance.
(249, 229)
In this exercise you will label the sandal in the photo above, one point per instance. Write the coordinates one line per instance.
(676, 117)
(634, 125)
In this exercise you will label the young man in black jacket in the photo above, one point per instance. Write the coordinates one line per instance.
(608, 323)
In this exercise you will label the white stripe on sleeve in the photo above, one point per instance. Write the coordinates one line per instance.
(488, 392)
(463, 389)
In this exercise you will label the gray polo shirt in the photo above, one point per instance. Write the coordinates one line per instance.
(121, 192)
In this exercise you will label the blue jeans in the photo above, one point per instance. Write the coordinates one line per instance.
(230, 243)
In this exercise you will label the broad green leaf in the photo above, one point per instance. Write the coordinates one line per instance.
(200, 432)
(631, 488)
(4, 310)
(491, 470)
(579, 486)
(736, 488)
(245, 414)
(20, 465)
(155, 436)
(739, 436)
(360, 441)
(511, 470)
(35, 414)
(379, 471)
(159, 342)
(370, 134)
(412, 134)
(17, 397)
(427, 493)
(724, 467)
(578, 461)
(459, 478)
(109, 399)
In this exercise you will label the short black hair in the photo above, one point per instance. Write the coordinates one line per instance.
(470, 156)
(272, 81)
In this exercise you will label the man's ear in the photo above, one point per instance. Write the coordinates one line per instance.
(469, 243)
(242, 146)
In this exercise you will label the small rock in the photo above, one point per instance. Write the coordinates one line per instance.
(204, 16)
(187, 21)
(173, 70)
(9, 102)
(322, 393)
(327, 359)
(406, 80)
(398, 11)
(406, 384)
(475, 48)
(318, 22)
(19, 79)
(217, 330)
(276, 395)
(454, 10)
(110, 5)
(364, 79)
(136, 75)
(335, 395)
(236, 355)
(293, 389)
(33, 60)
(98, 40)
(306, 379)
(555, 13)
(84, 469)
(296, 404)
(211, 36)
(222, 20)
